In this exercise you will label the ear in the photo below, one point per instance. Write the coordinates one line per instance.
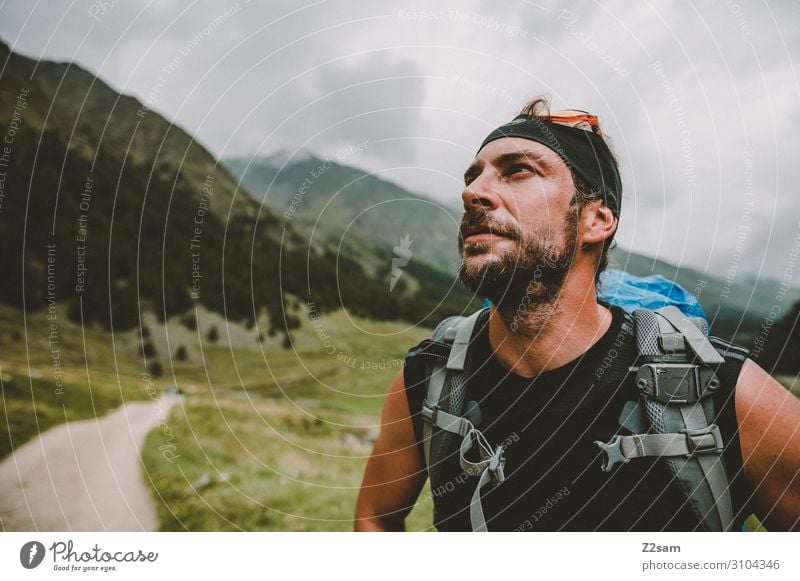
(598, 223)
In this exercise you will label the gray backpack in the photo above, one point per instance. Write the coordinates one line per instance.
(672, 417)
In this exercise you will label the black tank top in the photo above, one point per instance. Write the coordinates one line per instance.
(548, 425)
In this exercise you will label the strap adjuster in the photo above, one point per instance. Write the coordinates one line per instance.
(430, 412)
(439, 418)
(707, 440)
(497, 465)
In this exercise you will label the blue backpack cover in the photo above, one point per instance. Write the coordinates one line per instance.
(651, 292)
(630, 292)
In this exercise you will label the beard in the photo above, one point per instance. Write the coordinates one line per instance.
(534, 269)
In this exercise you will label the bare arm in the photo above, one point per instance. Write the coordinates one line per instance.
(395, 472)
(769, 431)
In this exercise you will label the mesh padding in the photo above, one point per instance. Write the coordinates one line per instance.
(655, 415)
(453, 402)
(457, 394)
(647, 332)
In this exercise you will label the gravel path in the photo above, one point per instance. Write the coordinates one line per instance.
(83, 476)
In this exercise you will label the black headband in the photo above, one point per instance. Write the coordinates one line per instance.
(584, 152)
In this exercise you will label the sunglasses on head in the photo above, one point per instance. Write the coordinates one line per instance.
(576, 118)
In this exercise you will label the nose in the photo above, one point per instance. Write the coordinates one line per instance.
(480, 195)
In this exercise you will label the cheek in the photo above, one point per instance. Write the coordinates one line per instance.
(541, 221)
(540, 207)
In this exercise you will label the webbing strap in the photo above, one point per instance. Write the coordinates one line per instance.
(458, 353)
(679, 426)
(491, 468)
(460, 334)
(694, 337)
(476, 516)
(713, 469)
(657, 445)
(451, 378)
(435, 386)
(621, 449)
(445, 421)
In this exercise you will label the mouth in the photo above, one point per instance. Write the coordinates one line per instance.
(482, 234)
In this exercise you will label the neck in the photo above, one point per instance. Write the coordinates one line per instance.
(539, 337)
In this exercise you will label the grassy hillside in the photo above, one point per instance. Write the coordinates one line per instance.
(285, 449)
(266, 438)
(46, 380)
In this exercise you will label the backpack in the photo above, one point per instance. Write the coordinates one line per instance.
(672, 417)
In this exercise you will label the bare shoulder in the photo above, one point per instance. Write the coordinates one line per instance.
(763, 404)
(769, 431)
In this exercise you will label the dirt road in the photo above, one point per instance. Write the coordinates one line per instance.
(83, 476)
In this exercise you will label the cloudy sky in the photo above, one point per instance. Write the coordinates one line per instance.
(700, 99)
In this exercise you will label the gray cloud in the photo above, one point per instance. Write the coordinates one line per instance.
(700, 102)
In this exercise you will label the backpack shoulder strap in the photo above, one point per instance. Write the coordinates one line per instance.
(442, 407)
(675, 379)
(442, 328)
(442, 416)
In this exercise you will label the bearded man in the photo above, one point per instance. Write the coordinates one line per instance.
(546, 381)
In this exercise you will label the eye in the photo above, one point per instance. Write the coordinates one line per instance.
(518, 168)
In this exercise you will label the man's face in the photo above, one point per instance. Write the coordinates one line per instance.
(518, 232)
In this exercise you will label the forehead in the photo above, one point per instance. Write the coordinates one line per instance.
(500, 149)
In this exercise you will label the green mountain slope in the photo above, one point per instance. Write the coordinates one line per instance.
(108, 210)
(348, 206)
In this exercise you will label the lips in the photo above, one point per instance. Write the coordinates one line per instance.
(478, 233)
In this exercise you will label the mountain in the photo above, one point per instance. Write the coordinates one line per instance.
(346, 206)
(107, 209)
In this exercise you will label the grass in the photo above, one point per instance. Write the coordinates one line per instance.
(31, 407)
(264, 440)
(37, 395)
(284, 448)
(261, 466)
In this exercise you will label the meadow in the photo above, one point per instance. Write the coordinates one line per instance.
(264, 438)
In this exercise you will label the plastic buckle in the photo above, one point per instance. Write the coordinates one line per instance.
(669, 382)
(497, 465)
(430, 412)
(613, 452)
(697, 441)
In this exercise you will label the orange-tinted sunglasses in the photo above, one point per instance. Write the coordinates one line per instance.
(582, 120)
